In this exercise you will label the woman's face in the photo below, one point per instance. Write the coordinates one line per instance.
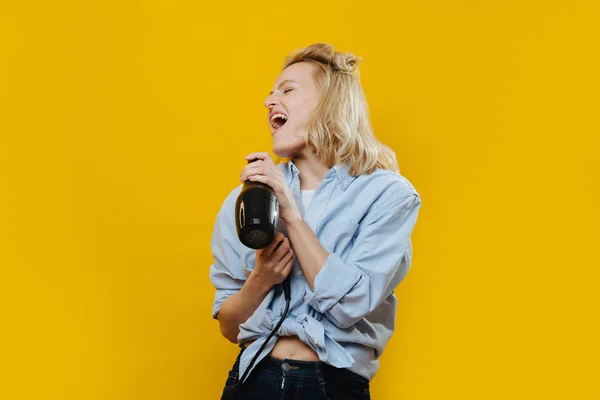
(293, 97)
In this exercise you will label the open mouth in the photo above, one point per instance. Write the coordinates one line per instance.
(278, 120)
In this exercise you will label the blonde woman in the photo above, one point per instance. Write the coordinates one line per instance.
(345, 220)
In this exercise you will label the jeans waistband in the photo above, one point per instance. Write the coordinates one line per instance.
(306, 369)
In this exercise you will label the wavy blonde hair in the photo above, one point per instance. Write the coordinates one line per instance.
(339, 127)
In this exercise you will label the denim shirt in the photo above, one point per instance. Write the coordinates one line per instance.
(364, 222)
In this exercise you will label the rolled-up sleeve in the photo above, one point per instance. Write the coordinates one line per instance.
(348, 291)
(225, 273)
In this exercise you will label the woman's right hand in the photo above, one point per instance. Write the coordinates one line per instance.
(274, 262)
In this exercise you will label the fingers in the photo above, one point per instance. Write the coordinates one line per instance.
(251, 169)
(276, 259)
(282, 253)
(263, 170)
(260, 155)
(257, 169)
(288, 267)
(278, 240)
(282, 250)
(283, 267)
(287, 258)
(264, 179)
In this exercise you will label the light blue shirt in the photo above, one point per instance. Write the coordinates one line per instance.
(364, 223)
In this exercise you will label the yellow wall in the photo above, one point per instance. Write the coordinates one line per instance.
(124, 124)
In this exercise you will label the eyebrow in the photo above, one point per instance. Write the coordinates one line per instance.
(283, 83)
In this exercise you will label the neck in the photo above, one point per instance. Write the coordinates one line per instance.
(312, 171)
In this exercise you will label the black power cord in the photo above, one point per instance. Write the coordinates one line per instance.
(287, 292)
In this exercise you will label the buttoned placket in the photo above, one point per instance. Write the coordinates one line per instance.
(295, 187)
(320, 200)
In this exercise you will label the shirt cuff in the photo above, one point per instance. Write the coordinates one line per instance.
(332, 282)
(220, 296)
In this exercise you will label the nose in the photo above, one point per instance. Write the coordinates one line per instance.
(270, 101)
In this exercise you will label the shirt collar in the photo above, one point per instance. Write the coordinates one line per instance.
(340, 171)
(343, 175)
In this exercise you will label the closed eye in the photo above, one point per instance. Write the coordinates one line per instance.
(287, 90)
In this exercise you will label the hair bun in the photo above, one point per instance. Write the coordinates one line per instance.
(346, 62)
(325, 54)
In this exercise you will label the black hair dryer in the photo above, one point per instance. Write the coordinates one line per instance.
(256, 214)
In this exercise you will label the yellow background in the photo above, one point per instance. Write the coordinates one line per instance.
(123, 126)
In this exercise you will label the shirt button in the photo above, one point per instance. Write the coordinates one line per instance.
(316, 342)
(299, 272)
(345, 182)
(286, 366)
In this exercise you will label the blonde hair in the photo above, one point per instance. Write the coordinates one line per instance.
(340, 127)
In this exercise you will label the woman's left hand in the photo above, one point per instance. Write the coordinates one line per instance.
(264, 170)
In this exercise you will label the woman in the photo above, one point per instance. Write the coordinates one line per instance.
(345, 220)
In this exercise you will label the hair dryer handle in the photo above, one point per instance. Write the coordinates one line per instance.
(286, 286)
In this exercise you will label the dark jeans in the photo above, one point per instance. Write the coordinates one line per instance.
(293, 379)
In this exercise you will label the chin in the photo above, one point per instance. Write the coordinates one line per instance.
(282, 154)
(287, 152)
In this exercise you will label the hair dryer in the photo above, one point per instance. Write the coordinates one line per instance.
(256, 214)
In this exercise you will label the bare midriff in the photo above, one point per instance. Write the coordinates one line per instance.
(292, 348)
